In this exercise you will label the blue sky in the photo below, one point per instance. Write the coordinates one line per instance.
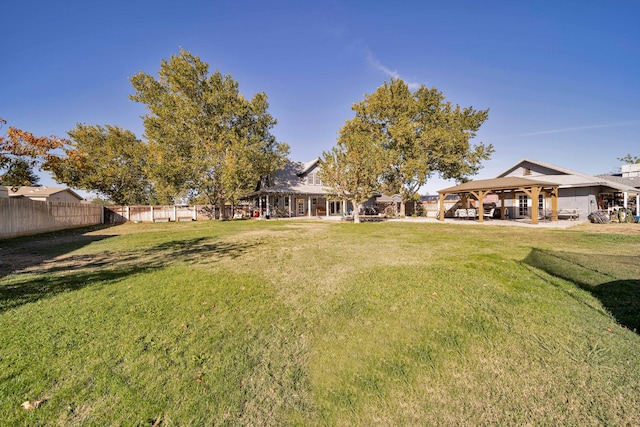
(561, 79)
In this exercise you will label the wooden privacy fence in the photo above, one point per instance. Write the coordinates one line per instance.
(120, 214)
(20, 217)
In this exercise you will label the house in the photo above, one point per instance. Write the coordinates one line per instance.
(46, 194)
(295, 190)
(533, 189)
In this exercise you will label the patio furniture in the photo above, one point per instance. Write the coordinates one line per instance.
(488, 213)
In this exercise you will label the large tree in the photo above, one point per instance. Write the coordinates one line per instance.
(422, 135)
(108, 160)
(205, 138)
(352, 169)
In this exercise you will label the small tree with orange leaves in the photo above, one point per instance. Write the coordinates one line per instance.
(22, 146)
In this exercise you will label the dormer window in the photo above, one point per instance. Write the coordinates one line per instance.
(313, 179)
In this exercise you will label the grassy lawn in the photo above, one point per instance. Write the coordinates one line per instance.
(320, 323)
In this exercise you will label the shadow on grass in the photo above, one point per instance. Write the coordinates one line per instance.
(25, 291)
(612, 279)
(21, 253)
(49, 271)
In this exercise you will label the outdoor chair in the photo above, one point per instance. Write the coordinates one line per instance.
(488, 213)
(471, 214)
(461, 213)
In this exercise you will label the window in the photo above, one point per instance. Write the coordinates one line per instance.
(313, 179)
(526, 171)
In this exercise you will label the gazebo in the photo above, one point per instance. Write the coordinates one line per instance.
(504, 186)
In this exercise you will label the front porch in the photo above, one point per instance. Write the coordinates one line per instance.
(297, 205)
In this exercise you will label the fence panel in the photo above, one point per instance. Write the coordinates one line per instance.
(121, 214)
(19, 216)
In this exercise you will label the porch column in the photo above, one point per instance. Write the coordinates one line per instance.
(260, 205)
(502, 206)
(625, 199)
(290, 213)
(637, 204)
(554, 204)
(480, 196)
(309, 206)
(532, 194)
(441, 209)
(344, 207)
(535, 192)
(326, 212)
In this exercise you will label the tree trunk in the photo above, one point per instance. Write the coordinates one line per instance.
(403, 205)
(356, 212)
(223, 214)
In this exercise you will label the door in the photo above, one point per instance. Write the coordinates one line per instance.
(523, 205)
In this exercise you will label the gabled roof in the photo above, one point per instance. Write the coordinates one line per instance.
(40, 192)
(291, 180)
(504, 183)
(307, 166)
(567, 178)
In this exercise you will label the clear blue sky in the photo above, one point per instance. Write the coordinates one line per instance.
(561, 78)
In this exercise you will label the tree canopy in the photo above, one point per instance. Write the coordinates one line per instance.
(19, 173)
(21, 151)
(109, 160)
(629, 159)
(418, 134)
(205, 138)
(352, 169)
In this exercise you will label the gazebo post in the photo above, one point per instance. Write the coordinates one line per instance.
(443, 196)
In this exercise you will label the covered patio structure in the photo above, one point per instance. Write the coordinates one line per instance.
(503, 186)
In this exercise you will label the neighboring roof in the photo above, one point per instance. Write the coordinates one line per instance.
(633, 181)
(436, 197)
(568, 178)
(384, 198)
(506, 183)
(40, 192)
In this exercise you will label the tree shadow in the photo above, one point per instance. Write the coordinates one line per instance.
(49, 271)
(612, 279)
(20, 253)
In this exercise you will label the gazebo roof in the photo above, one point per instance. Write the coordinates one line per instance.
(506, 183)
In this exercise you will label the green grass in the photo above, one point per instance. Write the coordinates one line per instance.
(317, 323)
